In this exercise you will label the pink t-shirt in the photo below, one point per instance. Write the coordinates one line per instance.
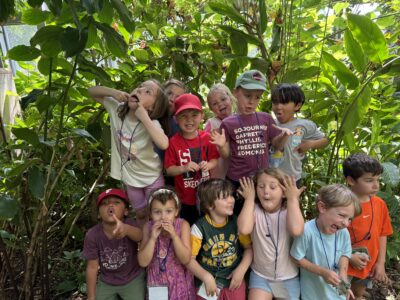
(249, 138)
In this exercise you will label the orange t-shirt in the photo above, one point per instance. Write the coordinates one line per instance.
(375, 220)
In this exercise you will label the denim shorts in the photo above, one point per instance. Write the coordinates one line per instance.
(292, 285)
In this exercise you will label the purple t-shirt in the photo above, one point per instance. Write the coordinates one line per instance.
(117, 257)
(249, 137)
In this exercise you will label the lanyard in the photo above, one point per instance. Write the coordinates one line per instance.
(162, 262)
(269, 235)
(199, 154)
(260, 134)
(334, 266)
(130, 143)
(367, 235)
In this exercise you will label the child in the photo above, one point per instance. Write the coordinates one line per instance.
(287, 99)
(245, 137)
(272, 223)
(369, 231)
(166, 249)
(112, 245)
(217, 259)
(173, 89)
(220, 101)
(190, 155)
(324, 249)
(135, 129)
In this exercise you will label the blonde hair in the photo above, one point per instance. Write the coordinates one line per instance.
(223, 88)
(336, 195)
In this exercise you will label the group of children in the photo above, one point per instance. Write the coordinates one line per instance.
(228, 211)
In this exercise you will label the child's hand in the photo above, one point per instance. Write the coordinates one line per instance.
(290, 188)
(236, 279)
(140, 112)
(350, 295)
(203, 165)
(156, 230)
(359, 261)
(169, 227)
(247, 190)
(191, 167)
(304, 146)
(211, 285)
(284, 131)
(120, 230)
(331, 277)
(120, 96)
(378, 274)
(218, 139)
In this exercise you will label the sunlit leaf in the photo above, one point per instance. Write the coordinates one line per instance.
(23, 53)
(115, 42)
(294, 75)
(141, 55)
(106, 14)
(34, 16)
(355, 52)
(124, 15)
(345, 76)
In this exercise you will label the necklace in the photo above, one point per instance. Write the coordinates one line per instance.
(367, 235)
(130, 144)
(334, 266)
(269, 235)
(199, 152)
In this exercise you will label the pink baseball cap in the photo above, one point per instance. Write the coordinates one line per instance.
(187, 101)
(112, 192)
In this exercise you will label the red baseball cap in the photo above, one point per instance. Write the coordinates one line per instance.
(112, 192)
(187, 101)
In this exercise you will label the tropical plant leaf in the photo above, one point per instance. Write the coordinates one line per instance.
(355, 52)
(34, 16)
(141, 55)
(26, 134)
(35, 3)
(115, 42)
(228, 11)
(92, 6)
(8, 206)
(391, 174)
(345, 76)
(370, 37)
(294, 75)
(36, 182)
(124, 15)
(231, 74)
(249, 38)
(238, 44)
(262, 25)
(83, 133)
(43, 102)
(73, 41)
(48, 38)
(23, 53)
(87, 66)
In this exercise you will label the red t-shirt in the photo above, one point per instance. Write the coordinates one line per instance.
(179, 153)
(374, 221)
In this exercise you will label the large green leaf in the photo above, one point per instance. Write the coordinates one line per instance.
(8, 206)
(34, 16)
(36, 182)
(345, 76)
(106, 14)
(124, 15)
(43, 102)
(23, 53)
(48, 38)
(141, 55)
(355, 52)
(294, 75)
(92, 6)
(231, 74)
(238, 44)
(249, 38)
(228, 11)
(26, 134)
(73, 41)
(87, 66)
(115, 42)
(356, 110)
(370, 37)
(262, 25)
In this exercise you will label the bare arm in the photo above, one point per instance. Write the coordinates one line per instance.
(122, 229)
(203, 275)
(238, 274)
(147, 246)
(378, 270)
(329, 276)
(99, 92)
(156, 133)
(294, 218)
(245, 220)
(312, 144)
(343, 266)
(182, 244)
(92, 267)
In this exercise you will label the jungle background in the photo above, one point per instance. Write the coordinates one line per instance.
(54, 157)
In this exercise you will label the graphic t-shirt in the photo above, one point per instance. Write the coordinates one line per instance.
(249, 138)
(117, 257)
(290, 161)
(180, 152)
(366, 229)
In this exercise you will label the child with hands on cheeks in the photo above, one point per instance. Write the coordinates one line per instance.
(166, 249)
(218, 260)
(324, 249)
(112, 246)
(138, 121)
(273, 219)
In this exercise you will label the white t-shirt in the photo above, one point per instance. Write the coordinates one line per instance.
(264, 236)
(143, 165)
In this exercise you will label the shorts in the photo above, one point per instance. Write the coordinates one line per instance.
(134, 290)
(138, 197)
(292, 285)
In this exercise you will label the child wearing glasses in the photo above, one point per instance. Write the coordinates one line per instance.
(324, 249)
(220, 255)
(369, 231)
(165, 249)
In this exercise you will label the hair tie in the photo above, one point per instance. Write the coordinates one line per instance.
(164, 191)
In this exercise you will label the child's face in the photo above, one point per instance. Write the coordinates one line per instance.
(269, 192)
(335, 218)
(145, 94)
(223, 206)
(189, 121)
(285, 112)
(112, 206)
(220, 104)
(247, 100)
(173, 91)
(366, 185)
(163, 212)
